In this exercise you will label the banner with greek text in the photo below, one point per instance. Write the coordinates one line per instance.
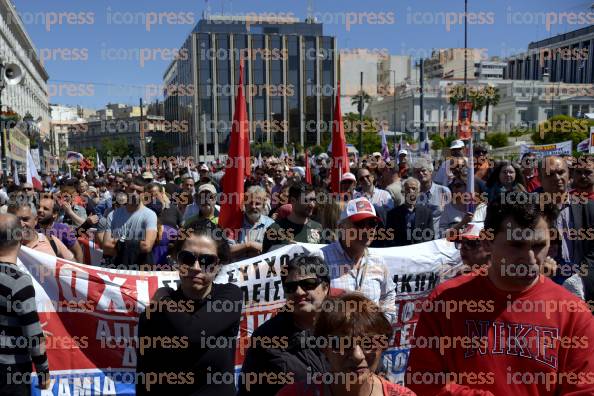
(545, 150)
(83, 309)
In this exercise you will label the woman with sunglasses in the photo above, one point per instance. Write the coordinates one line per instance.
(352, 333)
(286, 355)
(193, 329)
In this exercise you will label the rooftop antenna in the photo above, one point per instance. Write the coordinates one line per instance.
(310, 12)
(206, 12)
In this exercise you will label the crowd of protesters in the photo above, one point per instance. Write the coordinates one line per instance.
(167, 218)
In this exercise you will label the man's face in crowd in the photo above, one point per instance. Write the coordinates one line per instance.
(360, 233)
(480, 156)
(254, 206)
(28, 188)
(583, 175)
(365, 179)
(411, 193)
(279, 174)
(457, 152)
(45, 213)
(119, 181)
(188, 185)
(305, 205)
(206, 201)
(517, 253)
(82, 187)
(423, 174)
(135, 193)
(259, 175)
(555, 176)
(347, 186)
(28, 222)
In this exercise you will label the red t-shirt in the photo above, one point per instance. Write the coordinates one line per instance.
(303, 389)
(507, 343)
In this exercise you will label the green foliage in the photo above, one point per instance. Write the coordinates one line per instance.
(440, 143)
(498, 140)
(561, 128)
(265, 148)
(115, 148)
(90, 153)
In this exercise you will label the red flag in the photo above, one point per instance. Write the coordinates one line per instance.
(340, 159)
(307, 169)
(246, 150)
(231, 216)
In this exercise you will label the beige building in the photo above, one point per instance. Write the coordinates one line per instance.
(448, 63)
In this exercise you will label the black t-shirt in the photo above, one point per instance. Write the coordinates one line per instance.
(171, 216)
(284, 231)
(200, 340)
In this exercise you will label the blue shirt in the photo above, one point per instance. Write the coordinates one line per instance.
(255, 232)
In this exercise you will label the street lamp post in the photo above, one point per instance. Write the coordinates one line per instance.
(394, 99)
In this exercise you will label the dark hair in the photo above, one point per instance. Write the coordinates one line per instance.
(299, 188)
(522, 207)
(139, 181)
(307, 265)
(211, 231)
(351, 314)
(494, 176)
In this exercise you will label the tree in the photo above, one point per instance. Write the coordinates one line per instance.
(115, 148)
(498, 140)
(90, 153)
(477, 98)
(356, 99)
(456, 94)
(492, 98)
(561, 128)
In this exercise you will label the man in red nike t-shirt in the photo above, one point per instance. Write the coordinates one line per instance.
(507, 330)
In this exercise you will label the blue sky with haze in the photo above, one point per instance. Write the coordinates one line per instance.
(76, 51)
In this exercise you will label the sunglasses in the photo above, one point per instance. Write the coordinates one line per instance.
(468, 244)
(305, 284)
(188, 258)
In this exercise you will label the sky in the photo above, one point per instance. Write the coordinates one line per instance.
(90, 48)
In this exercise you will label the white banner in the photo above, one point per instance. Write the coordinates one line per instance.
(545, 150)
(82, 307)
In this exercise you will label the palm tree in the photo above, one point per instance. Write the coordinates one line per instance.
(477, 98)
(492, 98)
(355, 100)
(456, 94)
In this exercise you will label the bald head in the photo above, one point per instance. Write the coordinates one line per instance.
(10, 232)
(554, 175)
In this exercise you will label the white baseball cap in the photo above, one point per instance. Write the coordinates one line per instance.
(456, 144)
(207, 187)
(348, 176)
(376, 154)
(204, 167)
(359, 209)
(401, 152)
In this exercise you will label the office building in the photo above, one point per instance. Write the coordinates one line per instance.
(290, 80)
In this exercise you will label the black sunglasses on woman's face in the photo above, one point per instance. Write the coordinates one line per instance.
(188, 258)
(305, 284)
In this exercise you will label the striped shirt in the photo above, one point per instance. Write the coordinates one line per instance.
(371, 278)
(21, 337)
